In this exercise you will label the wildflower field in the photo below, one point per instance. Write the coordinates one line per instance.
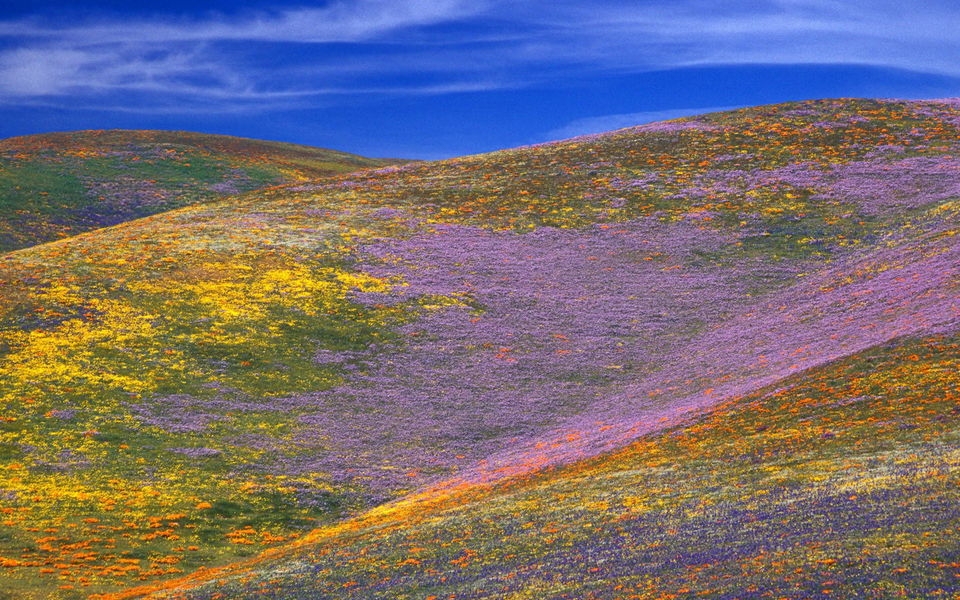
(57, 185)
(711, 357)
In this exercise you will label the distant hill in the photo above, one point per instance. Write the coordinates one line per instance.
(713, 356)
(60, 184)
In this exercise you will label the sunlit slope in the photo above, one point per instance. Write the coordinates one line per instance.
(57, 185)
(197, 386)
(843, 481)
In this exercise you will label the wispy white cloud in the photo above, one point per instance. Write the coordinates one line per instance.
(628, 35)
(343, 21)
(38, 72)
(391, 47)
(187, 58)
(604, 123)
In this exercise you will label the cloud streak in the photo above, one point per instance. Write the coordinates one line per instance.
(605, 123)
(200, 59)
(344, 21)
(628, 36)
(388, 47)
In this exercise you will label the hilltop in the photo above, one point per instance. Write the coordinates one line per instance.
(60, 184)
(712, 355)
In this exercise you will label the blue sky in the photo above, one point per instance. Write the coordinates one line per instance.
(439, 78)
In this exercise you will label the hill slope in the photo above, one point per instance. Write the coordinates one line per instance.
(836, 483)
(194, 387)
(60, 184)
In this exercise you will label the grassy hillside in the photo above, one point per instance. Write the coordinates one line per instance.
(835, 483)
(498, 350)
(57, 185)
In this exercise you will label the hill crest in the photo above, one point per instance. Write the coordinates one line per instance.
(58, 184)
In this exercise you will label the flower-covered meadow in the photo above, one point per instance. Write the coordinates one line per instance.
(840, 482)
(715, 355)
(57, 185)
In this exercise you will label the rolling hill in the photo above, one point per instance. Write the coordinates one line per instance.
(714, 356)
(60, 184)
